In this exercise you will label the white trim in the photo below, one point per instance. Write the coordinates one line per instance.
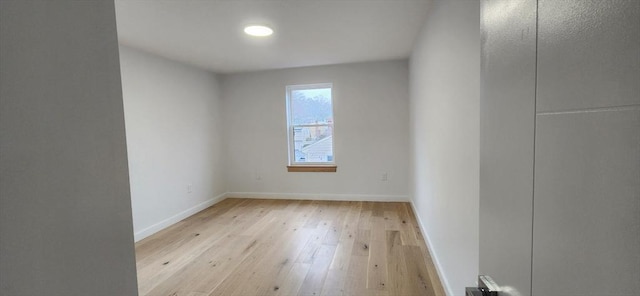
(319, 196)
(138, 236)
(434, 256)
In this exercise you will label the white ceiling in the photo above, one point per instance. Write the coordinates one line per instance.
(209, 33)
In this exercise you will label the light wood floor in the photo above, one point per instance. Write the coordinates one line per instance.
(289, 247)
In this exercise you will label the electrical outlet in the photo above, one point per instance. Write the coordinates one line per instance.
(189, 188)
(384, 176)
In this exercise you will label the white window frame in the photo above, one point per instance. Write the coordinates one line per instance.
(291, 126)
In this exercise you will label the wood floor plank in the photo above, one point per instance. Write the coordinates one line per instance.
(377, 266)
(417, 272)
(343, 254)
(428, 261)
(263, 244)
(334, 283)
(323, 212)
(392, 219)
(407, 225)
(399, 281)
(290, 247)
(356, 282)
(377, 209)
(337, 274)
(311, 248)
(362, 242)
(314, 281)
(179, 233)
(350, 226)
(364, 222)
(292, 282)
(334, 234)
(272, 268)
(195, 276)
(284, 229)
(159, 267)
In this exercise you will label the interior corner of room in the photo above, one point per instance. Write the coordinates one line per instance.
(152, 147)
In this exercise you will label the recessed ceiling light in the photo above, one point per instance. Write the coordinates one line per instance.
(259, 31)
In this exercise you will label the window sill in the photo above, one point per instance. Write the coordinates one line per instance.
(312, 168)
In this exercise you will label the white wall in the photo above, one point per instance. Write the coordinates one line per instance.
(445, 79)
(174, 133)
(65, 212)
(371, 132)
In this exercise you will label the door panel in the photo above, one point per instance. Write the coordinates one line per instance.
(586, 206)
(576, 86)
(506, 141)
(587, 159)
(588, 54)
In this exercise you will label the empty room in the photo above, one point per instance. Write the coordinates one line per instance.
(340, 147)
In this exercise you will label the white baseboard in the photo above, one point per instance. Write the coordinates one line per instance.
(434, 256)
(317, 196)
(138, 236)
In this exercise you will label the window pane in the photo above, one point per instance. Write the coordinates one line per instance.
(313, 143)
(310, 106)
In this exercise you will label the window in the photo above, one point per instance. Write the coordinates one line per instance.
(310, 124)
